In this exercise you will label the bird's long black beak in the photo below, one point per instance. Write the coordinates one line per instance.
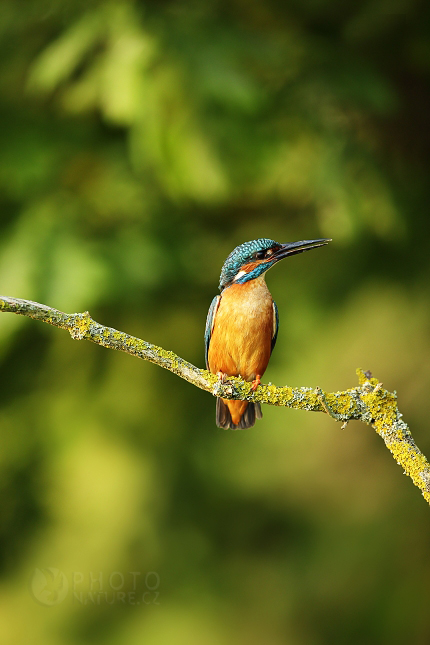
(292, 248)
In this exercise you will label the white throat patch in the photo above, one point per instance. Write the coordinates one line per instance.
(239, 275)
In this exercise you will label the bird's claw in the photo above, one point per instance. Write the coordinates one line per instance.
(255, 383)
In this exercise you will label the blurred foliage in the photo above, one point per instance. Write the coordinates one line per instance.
(141, 142)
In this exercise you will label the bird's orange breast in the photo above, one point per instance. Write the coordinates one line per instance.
(242, 332)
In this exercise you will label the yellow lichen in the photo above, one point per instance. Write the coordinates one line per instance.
(81, 325)
(341, 403)
(382, 406)
(413, 462)
(362, 378)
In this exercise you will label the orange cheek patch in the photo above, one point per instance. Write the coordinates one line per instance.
(251, 266)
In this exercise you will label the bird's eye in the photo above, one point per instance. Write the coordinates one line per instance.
(259, 255)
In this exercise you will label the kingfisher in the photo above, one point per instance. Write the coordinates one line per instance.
(242, 323)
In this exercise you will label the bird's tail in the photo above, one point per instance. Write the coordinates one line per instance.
(224, 419)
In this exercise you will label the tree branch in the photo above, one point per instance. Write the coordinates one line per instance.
(369, 402)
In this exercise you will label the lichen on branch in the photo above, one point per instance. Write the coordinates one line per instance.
(368, 402)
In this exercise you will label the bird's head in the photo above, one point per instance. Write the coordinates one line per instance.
(251, 259)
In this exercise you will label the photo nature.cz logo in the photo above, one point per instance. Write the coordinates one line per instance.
(50, 586)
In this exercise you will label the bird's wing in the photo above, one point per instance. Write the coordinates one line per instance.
(275, 325)
(210, 325)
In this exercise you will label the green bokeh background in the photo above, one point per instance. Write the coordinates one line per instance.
(140, 142)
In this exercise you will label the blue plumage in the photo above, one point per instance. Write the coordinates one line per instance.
(241, 255)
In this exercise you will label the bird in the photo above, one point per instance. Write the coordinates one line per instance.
(242, 322)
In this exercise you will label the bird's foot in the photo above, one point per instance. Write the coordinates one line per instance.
(256, 382)
(221, 376)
